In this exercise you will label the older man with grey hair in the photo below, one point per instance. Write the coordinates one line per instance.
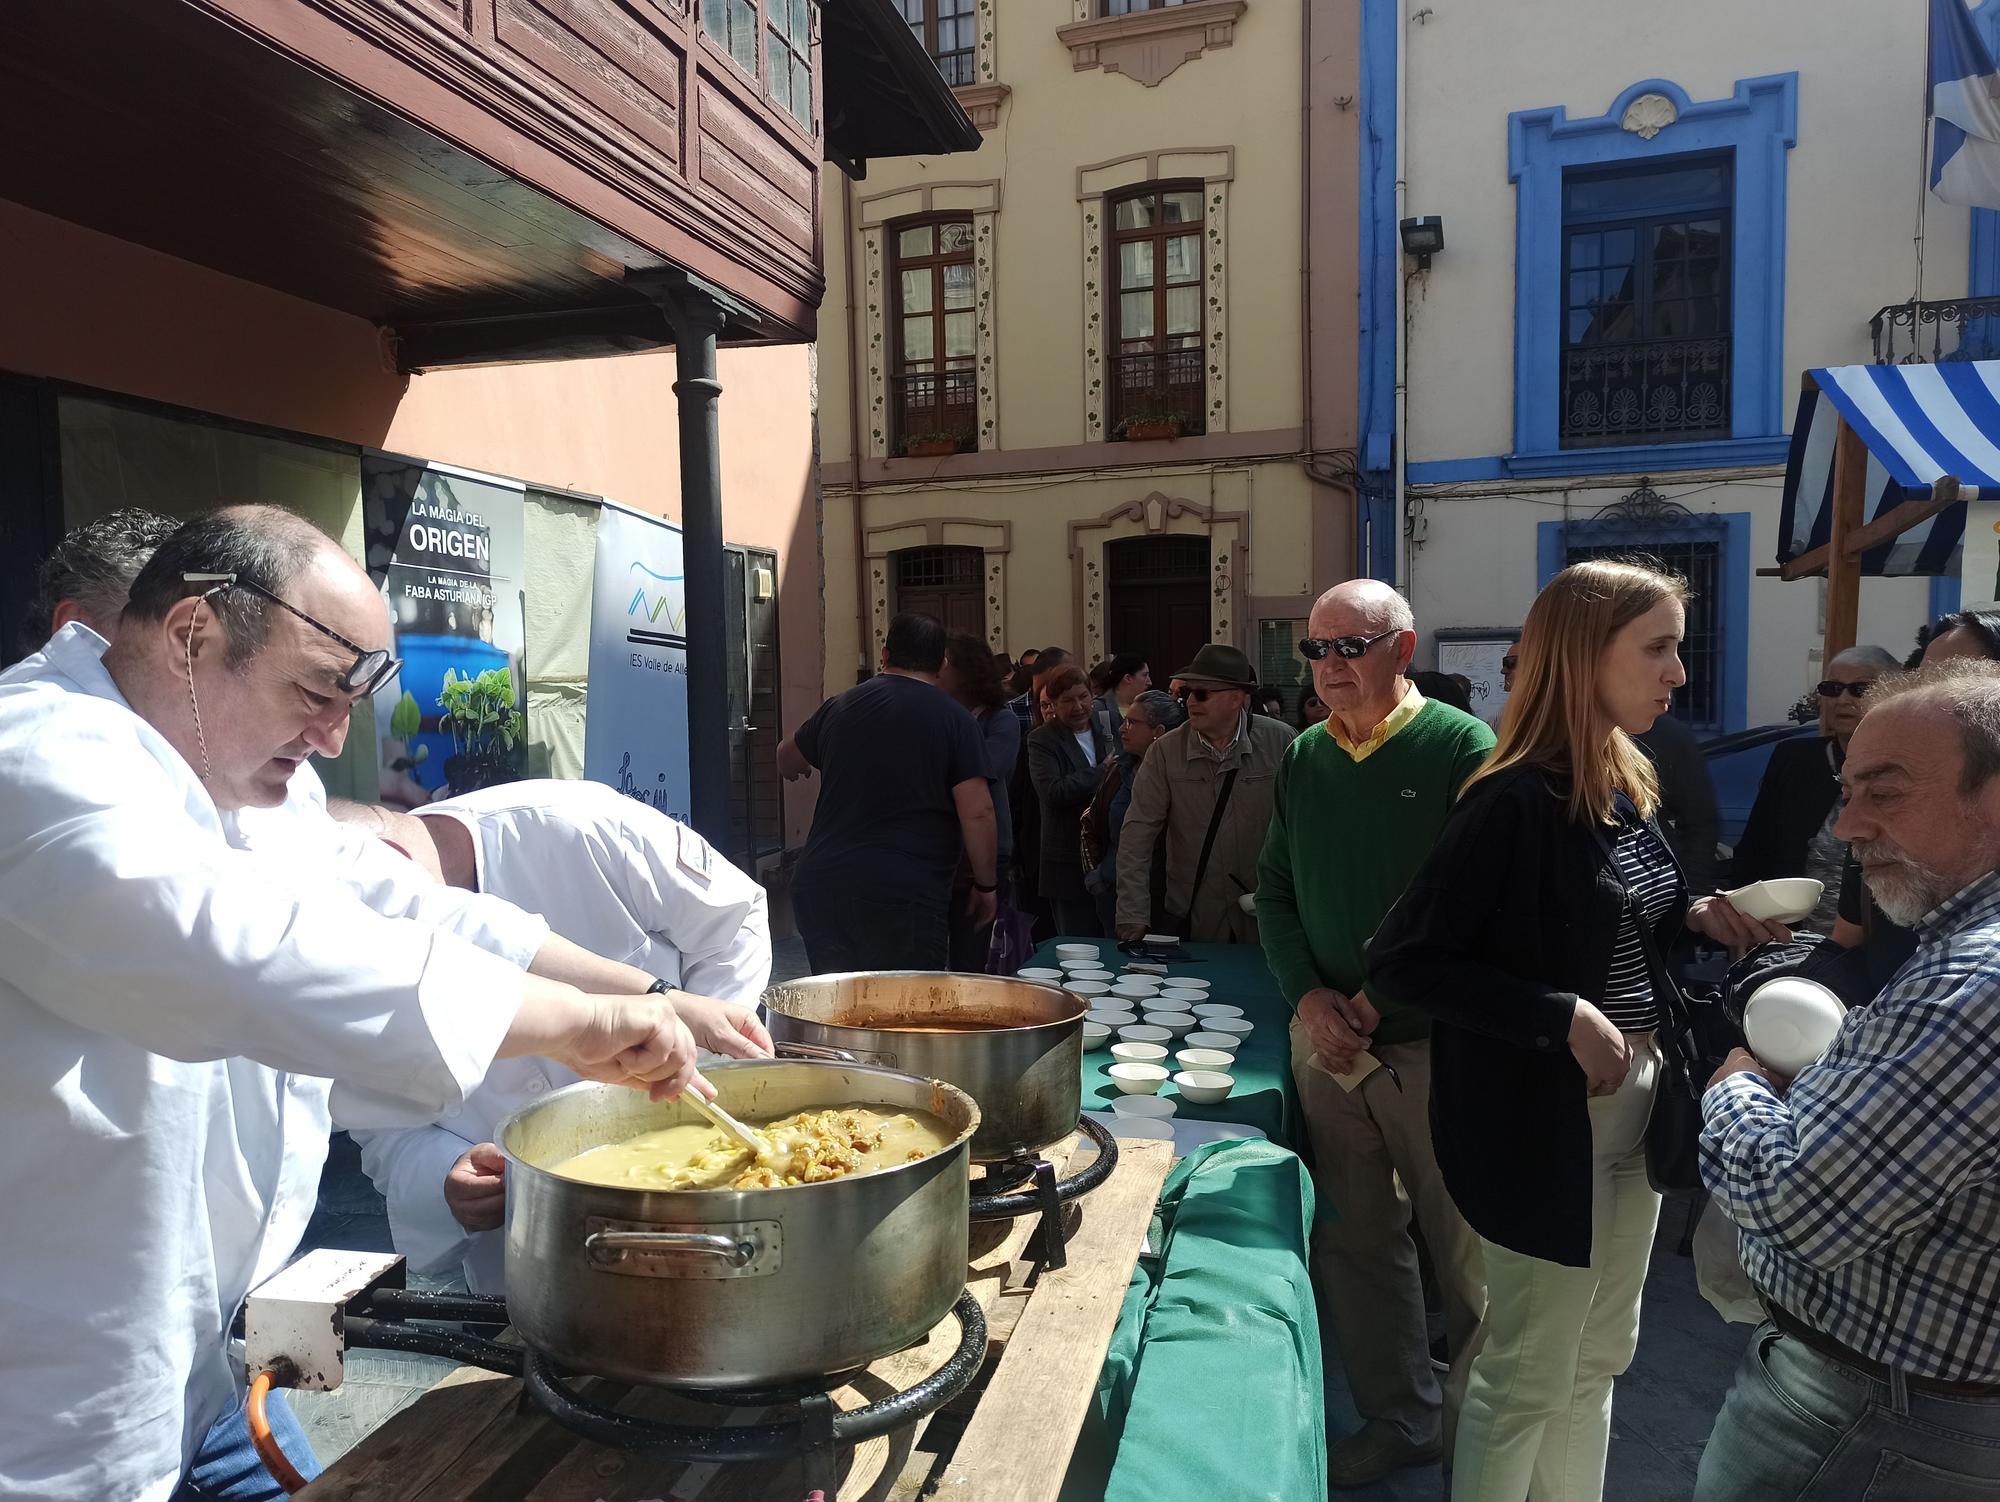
(1359, 802)
(1865, 1191)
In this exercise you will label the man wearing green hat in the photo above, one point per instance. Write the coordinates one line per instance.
(1206, 789)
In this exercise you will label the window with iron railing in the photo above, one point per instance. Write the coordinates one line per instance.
(945, 27)
(1156, 376)
(1646, 347)
(933, 337)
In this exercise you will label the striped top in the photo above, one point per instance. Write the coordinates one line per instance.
(1648, 872)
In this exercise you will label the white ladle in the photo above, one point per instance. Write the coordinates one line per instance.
(750, 1138)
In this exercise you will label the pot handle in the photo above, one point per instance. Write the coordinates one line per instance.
(787, 1049)
(746, 1250)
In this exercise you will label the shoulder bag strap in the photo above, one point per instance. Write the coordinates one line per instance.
(1208, 840)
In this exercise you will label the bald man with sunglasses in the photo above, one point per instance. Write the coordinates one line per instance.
(1206, 789)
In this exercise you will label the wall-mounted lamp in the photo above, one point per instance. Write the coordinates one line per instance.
(1422, 238)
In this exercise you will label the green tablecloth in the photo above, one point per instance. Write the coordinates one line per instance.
(1213, 1386)
(1264, 1096)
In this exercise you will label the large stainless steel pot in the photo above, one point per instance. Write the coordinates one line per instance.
(1015, 1046)
(724, 1287)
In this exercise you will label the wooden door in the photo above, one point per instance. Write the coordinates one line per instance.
(947, 584)
(1157, 600)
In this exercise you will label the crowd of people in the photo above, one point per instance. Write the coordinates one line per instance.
(1484, 938)
(1482, 933)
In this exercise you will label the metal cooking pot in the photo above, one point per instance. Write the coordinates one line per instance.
(729, 1287)
(1015, 1046)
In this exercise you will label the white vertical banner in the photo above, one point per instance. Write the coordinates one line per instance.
(1979, 558)
(636, 731)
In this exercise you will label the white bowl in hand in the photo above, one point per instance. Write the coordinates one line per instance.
(1790, 1021)
(1782, 899)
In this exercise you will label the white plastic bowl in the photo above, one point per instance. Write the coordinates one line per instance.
(1158, 1107)
(1215, 1009)
(1218, 1059)
(1137, 1079)
(1143, 1033)
(1235, 1026)
(1145, 967)
(1783, 899)
(1790, 1021)
(1111, 1017)
(1180, 1024)
(1095, 1035)
(1204, 1086)
(1139, 1053)
(1094, 977)
(1077, 951)
(1038, 973)
(1188, 982)
(1086, 988)
(1227, 1043)
(1137, 989)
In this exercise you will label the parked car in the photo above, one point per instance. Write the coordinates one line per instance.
(1736, 764)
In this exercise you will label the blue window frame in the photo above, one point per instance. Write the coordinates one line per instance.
(1646, 312)
(1752, 130)
(1713, 554)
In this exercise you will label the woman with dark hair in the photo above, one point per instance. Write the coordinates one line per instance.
(1312, 710)
(1148, 717)
(1528, 937)
(971, 675)
(1065, 753)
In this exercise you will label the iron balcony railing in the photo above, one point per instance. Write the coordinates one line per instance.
(1159, 384)
(1930, 333)
(1660, 390)
(931, 403)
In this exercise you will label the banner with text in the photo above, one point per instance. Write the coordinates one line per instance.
(445, 545)
(636, 735)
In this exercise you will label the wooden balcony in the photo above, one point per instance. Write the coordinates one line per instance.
(489, 179)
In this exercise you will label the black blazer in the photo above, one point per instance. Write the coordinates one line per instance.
(1064, 782)
(1511, 919)
(1793, 800)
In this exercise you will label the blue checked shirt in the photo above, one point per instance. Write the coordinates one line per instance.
(1868, 1198)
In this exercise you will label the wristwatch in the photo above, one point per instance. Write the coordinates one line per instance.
(982, 886)
(659, 988)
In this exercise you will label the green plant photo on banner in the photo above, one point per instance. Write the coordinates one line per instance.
(479, 715)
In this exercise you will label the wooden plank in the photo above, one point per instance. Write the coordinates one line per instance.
(1017, 1447)
(466, 1413)
(1890, 524)
(1843, 569)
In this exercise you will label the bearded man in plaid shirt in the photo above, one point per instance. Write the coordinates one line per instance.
(1867, 1191)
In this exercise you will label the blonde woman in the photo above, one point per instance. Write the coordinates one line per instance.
(1521, 938)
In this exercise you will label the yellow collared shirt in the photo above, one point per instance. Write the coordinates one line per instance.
(1382, 734)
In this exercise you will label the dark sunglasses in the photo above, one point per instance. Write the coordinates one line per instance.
(1313, 648)
(371, 669)
(1828, 689)
(1201, 695)
(1508, 664)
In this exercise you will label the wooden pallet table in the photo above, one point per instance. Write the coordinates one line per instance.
(472, 1438)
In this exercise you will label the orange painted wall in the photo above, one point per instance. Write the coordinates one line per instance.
(102, 312)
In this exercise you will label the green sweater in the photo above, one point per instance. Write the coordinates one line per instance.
(1345, 839)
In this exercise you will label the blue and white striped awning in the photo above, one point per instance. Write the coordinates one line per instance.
(1921, 423)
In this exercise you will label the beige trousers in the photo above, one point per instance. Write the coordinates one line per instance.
(1537, 1415)
(1374, 1168)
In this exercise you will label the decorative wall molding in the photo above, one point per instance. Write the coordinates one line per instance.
(1214, 167)
(876, 349)
(1151, 515)
(970, 197)
(1149, 45)
(986, 62)
(985, 336)
(1648, 115)
(994, 539)
(982, 102)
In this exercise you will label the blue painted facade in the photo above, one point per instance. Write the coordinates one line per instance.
(1381, 264)
(1757, 125)
(1732, 530)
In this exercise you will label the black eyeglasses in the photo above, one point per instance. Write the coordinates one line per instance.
(1201, 695)
(1313, 648)
(1828, 689)
(371, 669)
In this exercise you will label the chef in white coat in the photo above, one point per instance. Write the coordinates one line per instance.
(614, 875)
(166, 996)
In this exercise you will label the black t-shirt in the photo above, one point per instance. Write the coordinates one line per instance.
(889, 752)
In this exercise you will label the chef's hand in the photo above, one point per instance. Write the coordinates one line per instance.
(1326, 1014)
(475, 1189)
(635, 1040)
(983, 907)
(722, 1026)
(1603, 1051)
(1742, 1061)
(1717, 918)
(1131, 935)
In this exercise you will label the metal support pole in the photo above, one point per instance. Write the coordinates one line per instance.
(697, 314)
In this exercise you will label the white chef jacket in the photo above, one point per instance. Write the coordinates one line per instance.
(163, 990)
(615, 876)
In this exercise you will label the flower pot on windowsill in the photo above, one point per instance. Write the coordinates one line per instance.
(930, 448)
(1168, 428)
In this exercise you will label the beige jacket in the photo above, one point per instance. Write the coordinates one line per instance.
(1174, 796)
